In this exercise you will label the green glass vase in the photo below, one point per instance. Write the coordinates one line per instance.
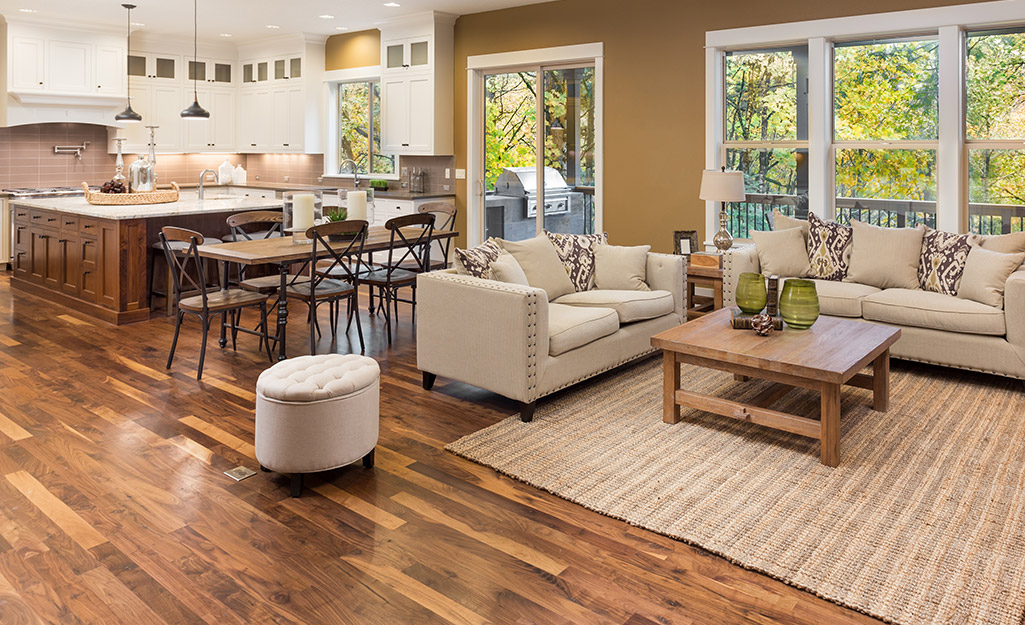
(751, 294)
(799, 303)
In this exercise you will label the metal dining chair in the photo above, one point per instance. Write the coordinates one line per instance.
(413, 249)
(271, 224)
(206, 305)
(444, 220)
(335, 282)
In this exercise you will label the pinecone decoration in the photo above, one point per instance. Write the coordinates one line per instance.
(762, 324)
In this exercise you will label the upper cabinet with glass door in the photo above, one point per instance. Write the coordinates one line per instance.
(409, 54)
(217, 73)
(157, 67)
(280, 68)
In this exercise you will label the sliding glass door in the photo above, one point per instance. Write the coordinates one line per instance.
(539, 176)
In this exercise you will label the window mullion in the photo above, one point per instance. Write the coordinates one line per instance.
(951, 182)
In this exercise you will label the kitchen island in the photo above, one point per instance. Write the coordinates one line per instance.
(94, 259)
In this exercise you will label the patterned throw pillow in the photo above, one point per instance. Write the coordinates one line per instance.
(943, 259)
(576, 251)
(829, 248)
(477, 261)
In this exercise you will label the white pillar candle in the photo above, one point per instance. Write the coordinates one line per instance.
(302, 211)
(357, 204)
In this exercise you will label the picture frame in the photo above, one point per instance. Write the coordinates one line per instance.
(685, 242)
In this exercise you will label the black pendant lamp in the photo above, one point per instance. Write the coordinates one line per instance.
(195, 111)
(128, 115)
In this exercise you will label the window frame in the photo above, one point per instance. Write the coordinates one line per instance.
(948, 24)
(334, 80)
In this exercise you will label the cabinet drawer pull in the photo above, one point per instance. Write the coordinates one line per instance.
(86, 226)
(37, 216)
(69, 223)
(43, 236)
(51, 219)
(284, 145)
(62, 240)
(88, 242)
(252, 145)
(405, 145)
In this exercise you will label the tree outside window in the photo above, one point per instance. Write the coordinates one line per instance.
(359, 128)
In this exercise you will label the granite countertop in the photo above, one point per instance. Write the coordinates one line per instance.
(395, 194)
(402, 194)
(187, 204)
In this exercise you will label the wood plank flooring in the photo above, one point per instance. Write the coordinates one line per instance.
(114, 507)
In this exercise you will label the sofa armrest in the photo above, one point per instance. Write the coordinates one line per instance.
(1014, 309)
(668, 272)
(490, 334)
(735, 262)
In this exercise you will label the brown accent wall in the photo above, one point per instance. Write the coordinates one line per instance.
(358, 49)
(654, 91)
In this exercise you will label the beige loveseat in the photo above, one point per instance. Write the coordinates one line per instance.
(935, 328)
(509, 339)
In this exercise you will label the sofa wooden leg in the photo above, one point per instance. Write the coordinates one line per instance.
(297, 484)
(429, 379)
(527, 411)
(368, 460)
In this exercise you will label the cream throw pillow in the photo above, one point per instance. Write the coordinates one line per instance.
(885, 257)
(782, 222)
(782, 252)
(621, 268)
(506, 269)
(985, 274)
(541, 265)
(1005, 243)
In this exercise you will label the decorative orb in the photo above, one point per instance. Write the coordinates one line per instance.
(762, 324)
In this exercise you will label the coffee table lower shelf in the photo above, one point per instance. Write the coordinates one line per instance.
(826, 428)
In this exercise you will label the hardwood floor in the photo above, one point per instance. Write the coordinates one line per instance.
(114, 507)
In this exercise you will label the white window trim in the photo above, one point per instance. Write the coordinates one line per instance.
(476, 67)
(948, 24)
(332, 79)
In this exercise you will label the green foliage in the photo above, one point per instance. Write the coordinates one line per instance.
(761, 96)
(359, 124)
(510, 123)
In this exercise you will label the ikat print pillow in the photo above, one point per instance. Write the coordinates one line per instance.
(576, 251)
(477, 261)
(829, 248)
(944, 255)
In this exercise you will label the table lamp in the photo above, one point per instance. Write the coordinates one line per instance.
(722, 186)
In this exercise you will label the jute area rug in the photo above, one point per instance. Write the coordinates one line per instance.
(922, 522)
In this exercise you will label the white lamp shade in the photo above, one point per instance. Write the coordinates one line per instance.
(722, 186)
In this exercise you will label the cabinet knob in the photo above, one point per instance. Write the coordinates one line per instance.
(405, 145)
(40, 82)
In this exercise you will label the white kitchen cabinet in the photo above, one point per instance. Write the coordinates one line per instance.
(408, 114)
(216, 134)
(408, 54)
(155, 67)
(109, 62)
(214, 72)
(70, 67)
(28, 64)
(257, 194)
(254, 122)
(287, 68)
(160, 105)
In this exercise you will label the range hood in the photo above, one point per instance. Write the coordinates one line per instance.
(27, 107)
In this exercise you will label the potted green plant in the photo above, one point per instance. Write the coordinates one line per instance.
(336, 213)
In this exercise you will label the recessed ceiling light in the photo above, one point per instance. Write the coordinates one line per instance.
(392, 4)
(327, 17)
(137, 24)
(225, 34)
(341, 28)
(272, 26)
(28, 10)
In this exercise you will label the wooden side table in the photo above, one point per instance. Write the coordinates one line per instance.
(704, 270)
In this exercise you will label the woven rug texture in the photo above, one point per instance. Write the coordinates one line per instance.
(922, 523)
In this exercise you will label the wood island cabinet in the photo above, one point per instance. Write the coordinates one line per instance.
(96, 266)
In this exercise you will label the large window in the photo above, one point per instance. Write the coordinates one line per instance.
(766, 130)
(886, 116)
(359, 128)
(995, 131)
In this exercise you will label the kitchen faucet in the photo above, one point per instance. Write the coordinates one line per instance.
(355, 174)
(202, 176)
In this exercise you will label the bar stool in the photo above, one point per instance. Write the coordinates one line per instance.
(179, 248)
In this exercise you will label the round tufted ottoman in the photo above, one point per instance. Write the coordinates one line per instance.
(315, 413)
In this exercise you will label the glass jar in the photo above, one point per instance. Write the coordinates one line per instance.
(751, 293)
(358, 203)
(302, 210)
(799, 303)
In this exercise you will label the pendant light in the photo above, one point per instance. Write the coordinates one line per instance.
(128, 115)
(195, 111)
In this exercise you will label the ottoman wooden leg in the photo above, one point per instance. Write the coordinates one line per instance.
(368, 460)
(297, 484)
(429, 379)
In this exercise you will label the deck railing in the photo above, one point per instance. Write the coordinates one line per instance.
(755, 213)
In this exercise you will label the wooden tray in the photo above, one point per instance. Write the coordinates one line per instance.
(127, 199)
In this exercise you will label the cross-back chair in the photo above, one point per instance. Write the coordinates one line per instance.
(205, 305)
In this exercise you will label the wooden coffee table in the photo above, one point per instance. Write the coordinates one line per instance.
(824, 358)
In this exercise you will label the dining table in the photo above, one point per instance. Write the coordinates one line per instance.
(284, 252)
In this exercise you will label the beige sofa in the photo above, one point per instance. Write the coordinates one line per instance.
(509, 339)
(935, 328)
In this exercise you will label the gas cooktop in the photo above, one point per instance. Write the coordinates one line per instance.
(43, 191)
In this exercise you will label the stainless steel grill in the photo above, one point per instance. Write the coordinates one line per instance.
(522, 182)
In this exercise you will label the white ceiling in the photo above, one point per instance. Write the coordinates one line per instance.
(242, 19)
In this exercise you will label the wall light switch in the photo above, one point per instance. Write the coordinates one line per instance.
(286, 178)
(448, 173)
(444, 187)
(460, 174)
(405, 171)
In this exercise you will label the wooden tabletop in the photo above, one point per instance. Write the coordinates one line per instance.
(832, 350)
(282, 250)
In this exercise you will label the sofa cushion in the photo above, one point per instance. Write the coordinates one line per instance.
(885, 257)
(570, 327)
(943, 259)
(629, 305)
(782, 252)
(477, 261)
(506, 269)
(540, 263)
(1012, 243)
(842, 299)
(985, 274)
(925, 309)
(622, 268)
(829, 248)
(577, 253)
